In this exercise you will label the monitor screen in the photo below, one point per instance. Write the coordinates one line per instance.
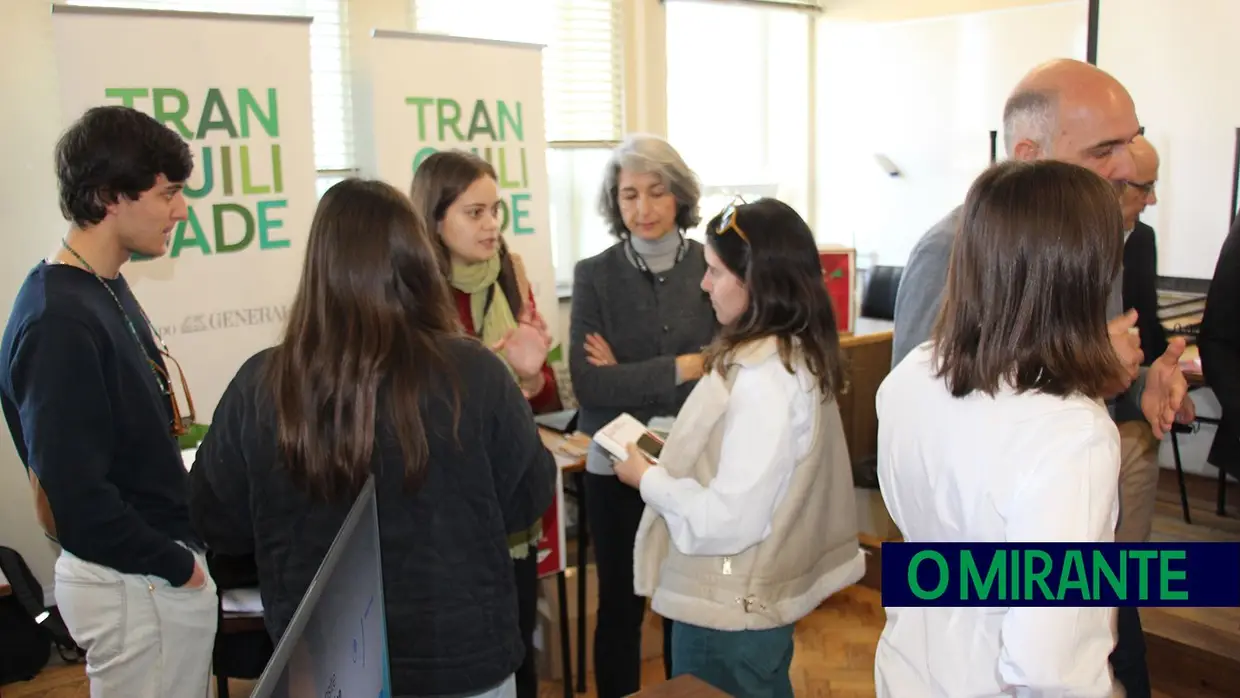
(336, 643)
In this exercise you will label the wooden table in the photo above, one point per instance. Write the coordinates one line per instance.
(569, 449)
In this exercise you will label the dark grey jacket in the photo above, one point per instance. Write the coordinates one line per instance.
(648, 321)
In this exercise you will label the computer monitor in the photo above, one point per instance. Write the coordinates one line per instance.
(336, 643)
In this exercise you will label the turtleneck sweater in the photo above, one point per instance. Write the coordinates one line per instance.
(659, 255)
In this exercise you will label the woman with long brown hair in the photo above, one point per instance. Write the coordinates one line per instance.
(374, 377)
(995, 430)
(457, 194)
(750, 520)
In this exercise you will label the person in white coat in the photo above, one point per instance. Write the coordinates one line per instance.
(995, 431)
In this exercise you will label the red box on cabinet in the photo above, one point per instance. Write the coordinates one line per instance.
(839, 272)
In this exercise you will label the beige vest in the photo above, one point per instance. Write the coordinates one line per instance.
(812, 550)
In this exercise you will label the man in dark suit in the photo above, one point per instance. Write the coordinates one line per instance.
(1220, 351)
(1139, 480)
(1141, 250)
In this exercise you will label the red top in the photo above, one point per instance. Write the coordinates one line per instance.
(548, 399)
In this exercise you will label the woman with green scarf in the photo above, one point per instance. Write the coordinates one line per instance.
(457, 194)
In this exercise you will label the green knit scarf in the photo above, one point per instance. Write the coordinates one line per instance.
(491, 324)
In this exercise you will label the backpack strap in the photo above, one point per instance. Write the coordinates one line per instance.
(23, 583)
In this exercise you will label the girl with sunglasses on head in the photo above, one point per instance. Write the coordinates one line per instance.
(457, 194)
(750, 521)
(373, 377)
(639, 323)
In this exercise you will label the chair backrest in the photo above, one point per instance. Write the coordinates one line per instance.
(879, 300)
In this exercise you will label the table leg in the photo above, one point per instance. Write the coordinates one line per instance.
(566, 652)
(582, 543)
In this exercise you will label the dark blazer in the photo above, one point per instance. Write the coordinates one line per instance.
(647, 322)
(1220, 350)
(1141, 289)
(449, 588)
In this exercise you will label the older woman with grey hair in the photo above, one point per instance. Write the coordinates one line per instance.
(639, 323)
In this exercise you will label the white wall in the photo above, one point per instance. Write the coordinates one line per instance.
(925, 93)
(1178, 61)
(1179, 65)
(29, 222)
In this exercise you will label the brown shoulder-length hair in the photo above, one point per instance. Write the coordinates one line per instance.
(439, 180)
(777, 259)
(363, 341)
(1032, 266)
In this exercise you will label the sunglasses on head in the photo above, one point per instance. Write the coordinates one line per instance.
(728, 222)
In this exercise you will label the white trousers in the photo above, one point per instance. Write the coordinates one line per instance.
(143, 637)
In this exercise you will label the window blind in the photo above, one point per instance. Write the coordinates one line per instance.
(330, 87)
(582, 64)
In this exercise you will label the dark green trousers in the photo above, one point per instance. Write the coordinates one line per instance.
(744, 663)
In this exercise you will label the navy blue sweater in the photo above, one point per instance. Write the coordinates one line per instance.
(88, 416)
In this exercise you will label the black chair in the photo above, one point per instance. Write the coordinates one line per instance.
(242, 649)
(879, 299)
(242, 644)
(1177, 429)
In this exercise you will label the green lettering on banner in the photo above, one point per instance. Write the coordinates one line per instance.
(507, 121)
(247, 177)
(449, 113)
(494, 133)
(220, 116)
(270, 119)
(421, 155)
(266, 225)
(519, 213)
(221, 245)
(199, 239)
(277, 169)
(126, 95)
(421, 103)
(481, 122)
(207, 168)
(226, 166)
(174, 116)
(215, 116)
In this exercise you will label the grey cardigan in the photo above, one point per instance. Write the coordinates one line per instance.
(648, 320)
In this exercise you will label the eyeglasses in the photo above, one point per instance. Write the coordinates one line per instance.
(180, 424)
(727, 222)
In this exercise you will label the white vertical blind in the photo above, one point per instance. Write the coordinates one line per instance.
(582, 66)
(332, 96)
